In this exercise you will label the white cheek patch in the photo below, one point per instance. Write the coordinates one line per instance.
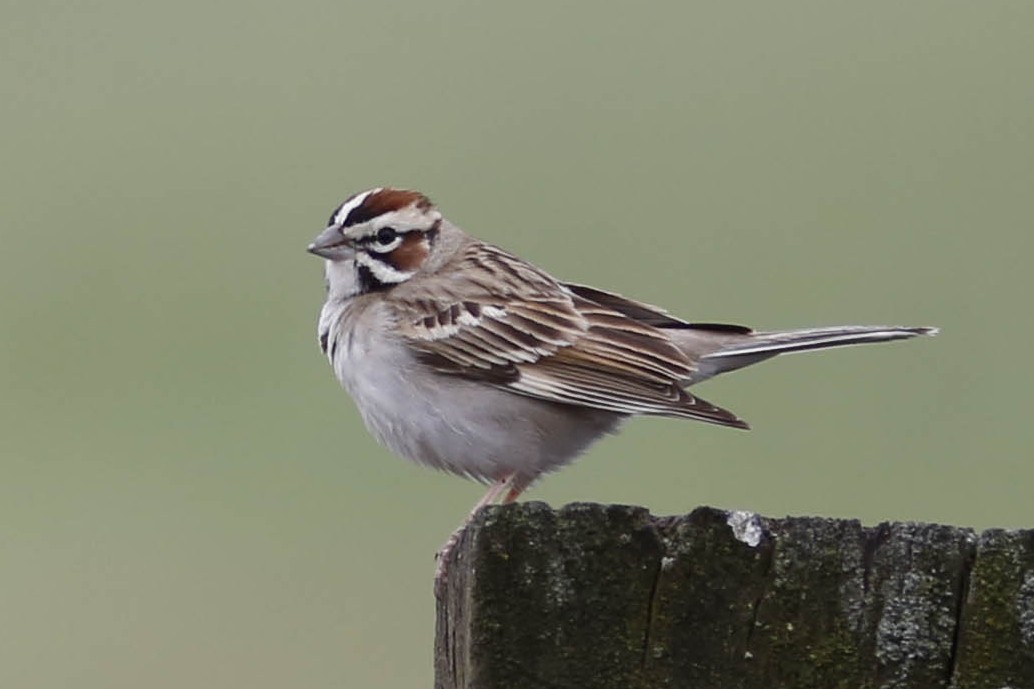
(384, 273)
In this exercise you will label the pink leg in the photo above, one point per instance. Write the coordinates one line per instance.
(490, 496)
(514, 493)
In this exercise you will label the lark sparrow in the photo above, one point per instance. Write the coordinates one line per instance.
(466, 358)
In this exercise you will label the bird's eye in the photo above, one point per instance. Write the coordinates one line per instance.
(387, 235)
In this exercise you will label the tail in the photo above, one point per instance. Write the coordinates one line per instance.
(720, 349)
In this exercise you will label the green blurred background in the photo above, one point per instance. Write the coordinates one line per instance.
(189, 499)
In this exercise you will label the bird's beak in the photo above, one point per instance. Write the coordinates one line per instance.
(331, 243)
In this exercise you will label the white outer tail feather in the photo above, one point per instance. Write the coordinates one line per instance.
(731, 353)
(786, 341)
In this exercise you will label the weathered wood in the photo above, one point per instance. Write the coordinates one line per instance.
(594, 597)
(996, 639)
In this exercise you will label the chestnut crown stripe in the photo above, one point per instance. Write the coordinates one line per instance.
(385, 201)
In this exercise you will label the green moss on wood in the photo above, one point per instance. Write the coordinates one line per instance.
(996, 640)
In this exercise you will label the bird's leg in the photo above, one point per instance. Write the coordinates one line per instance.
(490, 496)
(516, 489)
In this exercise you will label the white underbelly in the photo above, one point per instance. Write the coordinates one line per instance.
(465, 427)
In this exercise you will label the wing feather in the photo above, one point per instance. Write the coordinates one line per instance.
(525, 332)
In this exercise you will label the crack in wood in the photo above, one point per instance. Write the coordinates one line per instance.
(650, 603)
(962, 591)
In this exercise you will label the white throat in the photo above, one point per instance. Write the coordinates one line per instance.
(342, 281)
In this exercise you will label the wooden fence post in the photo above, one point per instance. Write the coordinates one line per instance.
(599, 597)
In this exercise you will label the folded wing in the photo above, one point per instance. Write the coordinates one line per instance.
(530, 335)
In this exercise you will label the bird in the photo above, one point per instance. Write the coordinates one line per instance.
(466, 358)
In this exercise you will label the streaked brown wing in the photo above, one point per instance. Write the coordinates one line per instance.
(524, 332)
(472, 336)
(648, 313)
(636, 310)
